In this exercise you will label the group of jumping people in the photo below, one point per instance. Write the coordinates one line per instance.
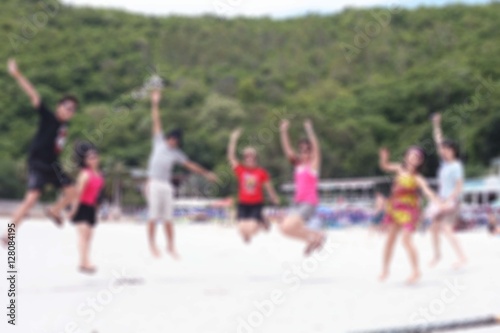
(402, 213)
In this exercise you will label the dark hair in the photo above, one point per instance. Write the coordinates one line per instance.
(68, 98)
(453, 145)
(422, 152)
(82, 148)
(176, 134)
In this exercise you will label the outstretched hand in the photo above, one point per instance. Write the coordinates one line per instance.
(12, 67)
(384, 154)
(308, 125)
(284, 125)
(212, 177)
(236, 133)
(156, 96)
(436, 118)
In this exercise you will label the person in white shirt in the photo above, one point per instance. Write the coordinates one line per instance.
(450, 182)
(166, 153)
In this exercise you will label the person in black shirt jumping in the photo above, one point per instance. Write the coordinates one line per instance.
(44, 151)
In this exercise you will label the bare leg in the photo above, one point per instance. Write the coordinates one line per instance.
(412, 253)
(389, 250)
(85, 237)
(29, 201)
(293, 226)
(265, 224)
(492, 224)
(248, 229)
(435, 231)
(65, 199)
(450, 234)
(169, 231)
(152, 239)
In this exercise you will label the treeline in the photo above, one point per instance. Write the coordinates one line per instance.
(366, 77)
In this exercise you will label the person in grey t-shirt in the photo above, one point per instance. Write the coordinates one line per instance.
(165, 156)
(451, 180)
(160, 194)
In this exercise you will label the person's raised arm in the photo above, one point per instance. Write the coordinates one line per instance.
(285, 140)
(196, 168)
(231, 149)
(313, 139)
(24, 83)
(155, 111)
(437, 133)
(385, 164)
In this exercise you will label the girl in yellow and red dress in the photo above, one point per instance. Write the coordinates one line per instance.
(403, 208)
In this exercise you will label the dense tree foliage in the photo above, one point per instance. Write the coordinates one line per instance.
(366, 77)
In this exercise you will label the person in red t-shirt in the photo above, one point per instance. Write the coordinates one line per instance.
(252, 180)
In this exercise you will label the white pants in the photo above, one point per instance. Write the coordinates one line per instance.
(160, 197)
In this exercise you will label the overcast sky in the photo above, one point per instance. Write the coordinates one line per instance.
(274, 8)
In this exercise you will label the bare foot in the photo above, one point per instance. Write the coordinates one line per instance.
(315, 245)
(318, 245)
(309, 247)
(155, 252)
(266, 225)
(414, 278)
(58, 221)
(383, 276)
(87, 269)
(460, 264)
(434, 262)
(247, 239)
(173, 253)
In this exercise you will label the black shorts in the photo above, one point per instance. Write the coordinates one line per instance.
(39, 176)
(86, 214)
(250, 212)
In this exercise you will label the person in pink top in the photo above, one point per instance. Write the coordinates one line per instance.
(84, 209)
(307, 168)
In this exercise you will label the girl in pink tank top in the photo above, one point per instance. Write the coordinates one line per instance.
(306, 185)
(307, 163)
(92, 189)
(84, 210)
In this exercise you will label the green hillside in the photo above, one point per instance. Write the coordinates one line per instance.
(366, 77)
